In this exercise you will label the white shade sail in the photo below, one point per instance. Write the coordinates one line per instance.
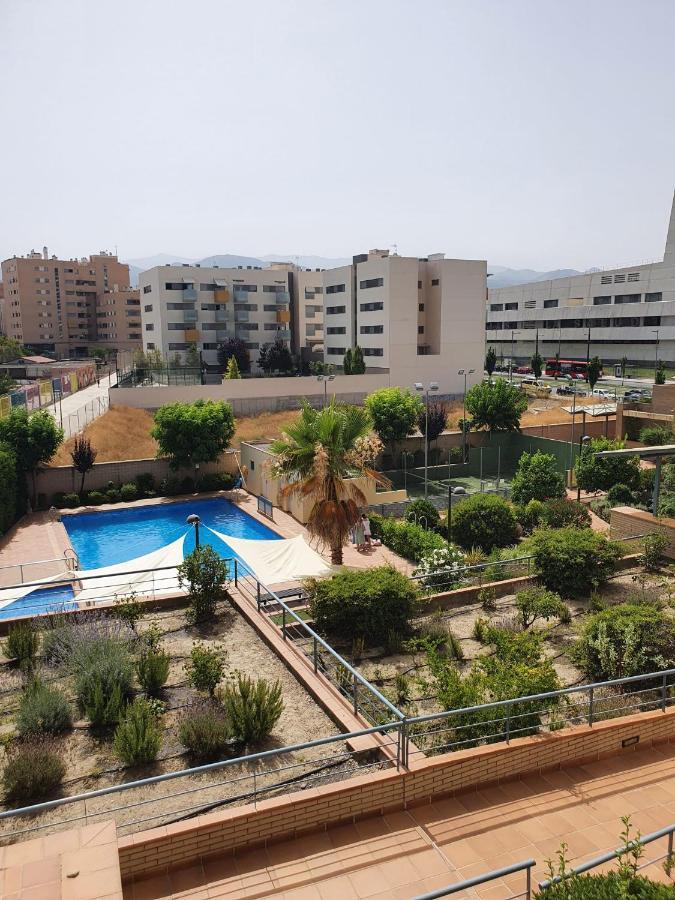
(276, 561)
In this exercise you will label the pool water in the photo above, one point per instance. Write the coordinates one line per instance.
(54, 599)
(117, 535)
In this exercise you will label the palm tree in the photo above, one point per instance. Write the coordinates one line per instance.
(317, 456)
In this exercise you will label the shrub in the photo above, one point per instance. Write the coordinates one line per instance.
(204, 731)
(561, 513)
(113, 495)
(572, 560)
(608, 887)
(442, 568)
(537, 478)
(600, 474)
(129, 610)
(204, 573)
(22, 644)
(619, 495)
(530, 516)
(422, 512)
(71, 501)
(33, 771)
(656, 435)
(405, 538)
(8, 487)
(205, 668)
(145, 482)
(187, 485)
(436, 635)
(43, 710)
(170, 486)
(96, 498)
(653, 550)
(129, 491)
(602, 508)
(215, 481)
(368, 604)
(537, 603)
(100, 698)
(485, 521)
(252, 707)
(152, 670)
(138, 736)
(624, 640)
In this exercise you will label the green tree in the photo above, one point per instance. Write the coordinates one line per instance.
(318, 455)
(190, 433)
(432, 425)
(490, 360)
(234, 347)
(395, 413)
(358, 363)
(7, 383)
(497, 407)
(483, 520)
(660, 376)
(347, 361)
(597, 474)
(232, 373)
(204, 573)
(537, 364)
(537, 478)
(8, 491)
(275, 357)
(594, 371)
(10, 349)
(573, 560)
(192, 357)
(83, 456)
(34, 440)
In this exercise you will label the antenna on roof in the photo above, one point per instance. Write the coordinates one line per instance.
(395, 249)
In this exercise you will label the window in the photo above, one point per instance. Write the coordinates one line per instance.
(252, 345)
(573, 323)
(335, 310)
(335, 289)
(132, 302)
(247, 326)
(176, 346)
(209, 307)
(373, 351)
(420, 307)
(654, 297)
(628, 322)
(550, 304)
(336, 351)
(207, 287)
(336, 330)
(180, 306)
(371, 283)
(496, 307)
(371, 307)
(149, 327)
(246, 307)
(530, 304)
(602, 301)
(419, 285)
(274, 288)
(495, 326)
(245, 288)
(146, 288)
(633, 276)
(420, 329)
(310, 293)
(605, 279)
(511, 325)
(597, 323)
(619, 279)
(551, 323)
(511, 306)
(626, 298)
(176, 326)
(372, 329)
(651, 320)
(435, 282)
(177, 285)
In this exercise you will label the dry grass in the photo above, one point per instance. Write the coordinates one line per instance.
(265, 427)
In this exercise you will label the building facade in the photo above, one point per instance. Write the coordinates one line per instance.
(625, 312)
(63, 307)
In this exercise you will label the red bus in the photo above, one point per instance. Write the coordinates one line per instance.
(575, 368)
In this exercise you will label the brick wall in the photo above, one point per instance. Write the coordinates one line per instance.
(627, 522)
(284, 817)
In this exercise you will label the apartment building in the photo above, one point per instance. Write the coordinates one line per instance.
(307, 314)
(63, 307)
(613, 313)
(185, 304)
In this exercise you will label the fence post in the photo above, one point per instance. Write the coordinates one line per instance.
(404, 742)
(664, 694)
(528, 887)
(236, 572)
(257, 586)
(590, 709)
(355, 694)
(21, 571)
(283, 622)
(508, 723)
(670, 847)
(316, 657)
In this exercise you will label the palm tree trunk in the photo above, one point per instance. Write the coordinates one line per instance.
(336, 554)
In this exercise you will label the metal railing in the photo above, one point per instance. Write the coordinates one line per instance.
(627, 848)
(434, 581)
(527, 865)
(66, 563)
(266, 507)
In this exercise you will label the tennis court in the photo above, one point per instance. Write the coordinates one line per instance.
(440, 480)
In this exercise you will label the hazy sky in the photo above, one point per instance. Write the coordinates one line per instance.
(533, 133)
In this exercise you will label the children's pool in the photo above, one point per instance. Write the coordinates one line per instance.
(114, 536)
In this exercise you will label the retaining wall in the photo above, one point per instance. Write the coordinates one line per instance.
(626, 522)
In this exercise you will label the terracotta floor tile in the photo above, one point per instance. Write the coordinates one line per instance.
(399, 871)
(309, 892)
(430, 862)
(367, 881)
(461, 853)
(226, 890)
(337, 889)
(343, 835)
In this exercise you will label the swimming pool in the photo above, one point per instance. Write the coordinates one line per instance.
(41, 600)
(114, 536)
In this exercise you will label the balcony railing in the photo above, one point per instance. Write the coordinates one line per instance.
(189, 294)
(221, 295)
(283, 297)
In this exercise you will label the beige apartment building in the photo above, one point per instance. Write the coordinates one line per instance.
(307, 313)
(63, 307)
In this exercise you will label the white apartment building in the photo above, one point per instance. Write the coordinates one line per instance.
(629, 311)
(307, 313)
(184, 305)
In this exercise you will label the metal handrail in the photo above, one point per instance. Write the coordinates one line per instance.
(481, 879)
(668, 832)
(486, 565)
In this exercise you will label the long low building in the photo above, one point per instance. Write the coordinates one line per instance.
(615, 313)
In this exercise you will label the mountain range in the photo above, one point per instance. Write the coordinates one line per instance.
(501, 276)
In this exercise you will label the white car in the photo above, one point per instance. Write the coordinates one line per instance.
(603, 395)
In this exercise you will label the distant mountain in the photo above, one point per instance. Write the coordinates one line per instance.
(505, 277)
(230, 261)
(159, 259)
(309, 262)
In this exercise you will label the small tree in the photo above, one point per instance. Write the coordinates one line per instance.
(190, 433)
(358, 362)
(34, 440)
(557, 365)
(275, 357)
(572, 560)
(234, 347)
(537, 364)
(83, 456)
(347, 361)
(490, 360)
(496, 407)
(537, 478)
(7, 383)
(624, 366)
(7, 488)
(232, 372)
(432, 424)
(660, 376)
(485, 521)
(594, 371)
(394, 412)
(204, 573)
(538, 603)
(192, 358)
(10, 349)
(600, 474)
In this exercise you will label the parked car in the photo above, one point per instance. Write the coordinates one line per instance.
(602, 395)
(566, 389)
(523, 370)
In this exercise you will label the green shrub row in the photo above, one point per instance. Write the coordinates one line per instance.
(406, 539)
(145, 486)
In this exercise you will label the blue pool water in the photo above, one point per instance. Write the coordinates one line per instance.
(117, 535)
(54, 599)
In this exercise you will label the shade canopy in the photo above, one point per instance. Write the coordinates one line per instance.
(275, 561)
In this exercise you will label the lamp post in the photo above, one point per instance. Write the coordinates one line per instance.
(513, 331)
(584, 440)
(325, 379)
(193, 519)
(464, 373)
(419, 387)
(656, 352)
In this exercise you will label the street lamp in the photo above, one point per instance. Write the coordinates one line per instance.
(656, 352)
(584, 441)
(419, 387)
(325, 379)
(193, 519)
(464, 373)
(513, 331)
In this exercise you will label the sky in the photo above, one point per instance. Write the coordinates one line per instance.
(532, 133)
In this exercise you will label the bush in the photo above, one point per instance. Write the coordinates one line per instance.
(620, 495)
(33, 771)
(43, 710)
(138, 736)
(129, 610)
(537, 603)
(145, 482)
(205, 668)
(129, 491)
(98, 655)
(204, 731)
(656, 435)
(113, 495)
(437, 635)
(204, 573)
(170, 486)
(602, 508)
(442, 568)
(22, 644)
(405, 538)
(572, 560)
(608, 887)
(485, 521)
(187, 485)
(215, 481)
(8, 487)
(624, 640)
(101, 698)
(368, 604)
(564, 512)
(537, 478)
(252, 707)
(654, 548)
(529, 517)
(96, 498)
(598, 474)
(422, 512)
(152, 670)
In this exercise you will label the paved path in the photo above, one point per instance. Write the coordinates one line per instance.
(428, 847)
(77, 410)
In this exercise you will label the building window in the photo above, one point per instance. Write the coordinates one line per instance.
(651, 320)
(373, 351)
(336, 330)
(178, 346)
(420, 307)
(602, 301)
(176, 326)
(628, 322)
(247, 326)
(626, 298)
(149, 327)
(619, 279)
(496, 307)
(371, 283)
(530, 304)
(420, 329)
(633, 276)
(435, 282)
(605, 279)
(654, 297)
(146, 288)
(207, 288)
(511, 306)
(150, 346)
(245, 307)
(180, 306)
(336, 351)
(335, 289)
(335, 310)
(371, 307)
(550, 304)
(274, 288)
(372, 329)
(176, 285)
(419, 285)
(511, 325)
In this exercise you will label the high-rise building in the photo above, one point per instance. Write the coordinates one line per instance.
(64, 307)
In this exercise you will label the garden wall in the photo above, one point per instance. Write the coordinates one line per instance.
(626, 522)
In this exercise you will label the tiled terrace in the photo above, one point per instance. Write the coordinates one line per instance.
(427, 847)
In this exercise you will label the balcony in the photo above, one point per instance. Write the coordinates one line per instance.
(241, 297)
(283, 297)
(191, 335)
(283, 334)
(189, 294)
(284, 316)
(190, 316)
(224, 335)
(221, 295)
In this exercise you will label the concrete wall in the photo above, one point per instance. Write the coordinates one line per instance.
(627, 522)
